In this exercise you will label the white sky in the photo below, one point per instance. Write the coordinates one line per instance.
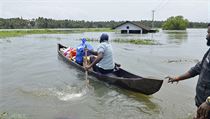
(103, 10)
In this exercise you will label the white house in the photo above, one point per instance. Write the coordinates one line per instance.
(133, 28)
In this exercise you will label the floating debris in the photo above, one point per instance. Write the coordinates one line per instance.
(182, 60)
(3, 115)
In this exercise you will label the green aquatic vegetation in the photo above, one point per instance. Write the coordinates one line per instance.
(10, 34)
(92, 39)
(3, 115)
(14, 33)
(6, 115)
(131, 41)
(137, 41)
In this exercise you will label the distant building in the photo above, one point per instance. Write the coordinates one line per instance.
(129, 27)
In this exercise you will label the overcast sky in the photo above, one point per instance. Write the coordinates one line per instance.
(103, 10)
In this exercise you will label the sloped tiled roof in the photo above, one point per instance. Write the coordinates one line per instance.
(138, 24)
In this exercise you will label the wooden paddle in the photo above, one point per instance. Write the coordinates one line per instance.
(86, 72)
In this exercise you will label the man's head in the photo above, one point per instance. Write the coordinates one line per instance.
(208, 35)
(104, 37)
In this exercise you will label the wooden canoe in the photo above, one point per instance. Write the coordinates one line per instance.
(120, 78)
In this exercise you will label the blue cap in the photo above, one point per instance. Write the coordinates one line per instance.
(104, 37)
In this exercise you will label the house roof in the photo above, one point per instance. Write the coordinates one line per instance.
(138, 24)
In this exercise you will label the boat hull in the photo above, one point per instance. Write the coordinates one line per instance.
(120, 78)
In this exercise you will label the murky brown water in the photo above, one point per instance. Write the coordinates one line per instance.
(36, 84)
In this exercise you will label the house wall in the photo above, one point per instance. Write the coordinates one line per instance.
(132, 27)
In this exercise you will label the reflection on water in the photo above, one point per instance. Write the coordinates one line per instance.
(115, 102)
(118, 103)
(177, 37)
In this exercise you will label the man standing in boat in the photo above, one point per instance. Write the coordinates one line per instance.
(103, 63)
(202, 98)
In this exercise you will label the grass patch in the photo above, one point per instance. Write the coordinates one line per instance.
(136, 41)
(14, 33)
(131, 41)
(6, 115)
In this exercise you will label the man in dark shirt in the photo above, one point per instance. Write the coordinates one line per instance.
(202, 98)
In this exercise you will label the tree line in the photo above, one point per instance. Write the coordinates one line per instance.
(20, 23)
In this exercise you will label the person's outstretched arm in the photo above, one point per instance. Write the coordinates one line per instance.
(194, 71)
(178, 78)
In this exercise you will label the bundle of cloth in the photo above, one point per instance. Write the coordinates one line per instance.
(80, 51)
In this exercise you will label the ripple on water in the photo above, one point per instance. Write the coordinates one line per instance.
(66, 93)
(70, 93)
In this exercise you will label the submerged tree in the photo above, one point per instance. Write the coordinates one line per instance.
(175, 23)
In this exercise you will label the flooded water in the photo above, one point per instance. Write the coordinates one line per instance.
(36, 84)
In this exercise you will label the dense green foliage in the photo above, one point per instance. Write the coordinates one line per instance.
(175, 23)
(19, 23)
